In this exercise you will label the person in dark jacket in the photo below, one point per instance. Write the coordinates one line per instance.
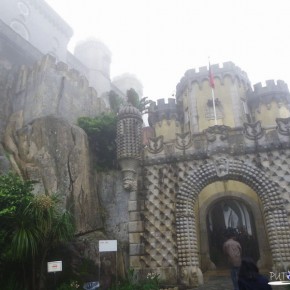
(250, 278)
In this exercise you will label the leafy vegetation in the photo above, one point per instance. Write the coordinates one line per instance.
(115, 101)
(102, 130)
(102, 133)
(31, 226)
(151, 282)
(69, 286)
(140, 104)
(133, 97)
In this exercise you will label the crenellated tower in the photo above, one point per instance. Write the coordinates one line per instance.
(267, 103)
(195, 94)
(166, 118)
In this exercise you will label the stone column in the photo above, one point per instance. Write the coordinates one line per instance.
(129, 136)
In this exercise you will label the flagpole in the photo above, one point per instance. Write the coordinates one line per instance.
(211, 83)
(213, 103)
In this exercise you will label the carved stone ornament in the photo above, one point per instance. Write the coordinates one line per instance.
(253, 131)
(155, 145)
(283, 126)
(129, 167)
(214, 131)
(191, 276)
(183, 141)
(130, 184)
(222, 167)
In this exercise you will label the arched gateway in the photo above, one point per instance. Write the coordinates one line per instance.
(277, 225)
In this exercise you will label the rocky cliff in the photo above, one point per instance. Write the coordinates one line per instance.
(55, 153)
(41, 142)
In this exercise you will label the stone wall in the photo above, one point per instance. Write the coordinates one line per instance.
(50, 88)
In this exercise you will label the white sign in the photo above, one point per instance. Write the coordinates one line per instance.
(108, 246)
(55, 266)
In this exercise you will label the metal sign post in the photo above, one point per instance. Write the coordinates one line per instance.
(53, 267)
(108, 246)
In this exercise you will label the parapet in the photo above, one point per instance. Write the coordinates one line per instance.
(271, 91)
(48, 62)
(52, 88)
(193, 75)
(161, 110)
(271, 86)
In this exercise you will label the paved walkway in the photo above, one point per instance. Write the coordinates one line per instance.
(220, 280)
(216, 283)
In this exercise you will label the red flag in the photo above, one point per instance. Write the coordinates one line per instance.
(211, 79)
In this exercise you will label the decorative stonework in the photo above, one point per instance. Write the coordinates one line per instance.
(274, 211)
(129, 132)
(283, 126)
(253, 131)
(221, 131)
(155, 144)
(222, 167)
(186, 179)
(161, 185)
(183, 141)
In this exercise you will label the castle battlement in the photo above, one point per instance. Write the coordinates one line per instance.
(161, 110)
(52, 88)
(271, 86)
(219, 71)
(272, 91)
(161, 105)
(49, 62)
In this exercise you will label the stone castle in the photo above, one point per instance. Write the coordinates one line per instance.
(202, 166)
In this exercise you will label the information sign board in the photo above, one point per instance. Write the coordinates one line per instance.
(108, 245)
(55, 266)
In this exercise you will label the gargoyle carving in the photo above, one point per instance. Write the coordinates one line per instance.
(155, 145)
(183, 141)
(283, 126)
(253, 130)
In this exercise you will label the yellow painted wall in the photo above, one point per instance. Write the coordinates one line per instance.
(226, 186)
(200, 94)
(268, 115)
(168, 129)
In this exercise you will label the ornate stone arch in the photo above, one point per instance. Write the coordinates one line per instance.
(276, 220)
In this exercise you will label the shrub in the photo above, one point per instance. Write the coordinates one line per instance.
(151, 282)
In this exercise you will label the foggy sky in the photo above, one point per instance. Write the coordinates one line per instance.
(158, 40)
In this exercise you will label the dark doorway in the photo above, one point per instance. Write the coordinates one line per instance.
(234, 214)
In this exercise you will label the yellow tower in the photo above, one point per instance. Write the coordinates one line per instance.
(229, 94)
(269, 102)
(165, 118)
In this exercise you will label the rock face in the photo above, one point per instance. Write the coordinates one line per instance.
(55, 153)
(40, 105)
